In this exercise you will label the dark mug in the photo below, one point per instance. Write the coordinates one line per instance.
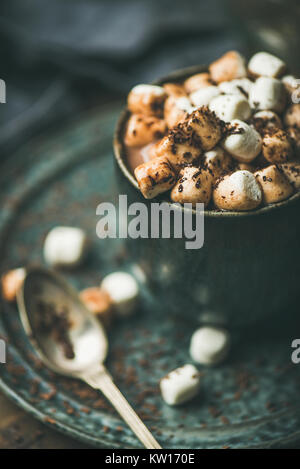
(247, 270)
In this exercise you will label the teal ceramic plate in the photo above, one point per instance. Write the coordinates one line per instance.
(250, 401)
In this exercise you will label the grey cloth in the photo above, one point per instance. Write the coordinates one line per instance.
(62, 56)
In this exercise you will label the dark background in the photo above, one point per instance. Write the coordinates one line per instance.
(59, 58)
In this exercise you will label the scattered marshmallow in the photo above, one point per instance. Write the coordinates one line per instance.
(231, 106)
(155, 177)
(180, 385)
(11, 283)
(277, 146)
(230, 66)
(243, 143)
(292, 116)
(65, 246)
(239, 86)
(142, 130)
(98, 302)
(217, 161)
(203, 96)
(176, 110)
(146, 99)
(264, 120)
(198, 81)
(267, 94)
(265, 64)
(239, 191)
(291, 171)
(275, 186)
(123, 291)
(209, 345)
(193, 186)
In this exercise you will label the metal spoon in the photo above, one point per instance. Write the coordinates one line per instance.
(87, 338)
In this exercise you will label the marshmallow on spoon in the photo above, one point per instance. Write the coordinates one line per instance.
(265, 64)
(231, 106)
(123, 290)
(180, 385)
(155, 177)
(203, 96)
(197, 82)
(239, 191)
(209, 345)
(230, 66)
(142, 130)
(193, 186)
(275, 186)
(11, 283)
(267, 94)
(243, 143)
(277, 146)
(146, 99)
(65, 246)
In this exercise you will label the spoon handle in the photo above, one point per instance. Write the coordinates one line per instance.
(103, 381)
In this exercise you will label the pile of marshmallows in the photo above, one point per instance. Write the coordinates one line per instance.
(228, 138)
(119, 293)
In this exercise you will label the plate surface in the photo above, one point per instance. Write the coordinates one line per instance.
(250, 401)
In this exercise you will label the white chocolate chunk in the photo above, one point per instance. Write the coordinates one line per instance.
(231, 106)
(240, 191)
(209, 345)
(203, 96)
(65, 246)
(180, 385)
(267, 94)
(265, 64)
(11, 283)
(123, 291)
(244, 144)
(238, 86)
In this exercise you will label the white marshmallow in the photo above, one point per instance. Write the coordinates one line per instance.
(291, 83)
(123, 291)
(267, 94)
(183, 103)
(209, 345)
(180, 385)
(244, 144)
(148, 89)
(203, 96)
(239, 86)
(266, 64)
(231, 106)
(65, 246)
(239, 191)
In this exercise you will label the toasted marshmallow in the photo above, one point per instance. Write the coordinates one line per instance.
(197, 82)
(231, 106)
(244, 143)
(291, 171)
(209, 345)
(155, 177)
(277, 147)
(291, 83)
(180, 385)
(217, 162)
(176, 110)
(230, 66)
(146, 99)
(240, 192)
(275, 186)
(193, 186)
(98, 302)
(267, 65)
(203, 96)
(142, 130)
(174, 89)
(239, 86)
(11, 283)
(123, 290)
(179, 147)
(267, 94)
(264, 120)
(65, 246)
(206, 126)
(294, 135)
(245, 167)
(292, 116)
